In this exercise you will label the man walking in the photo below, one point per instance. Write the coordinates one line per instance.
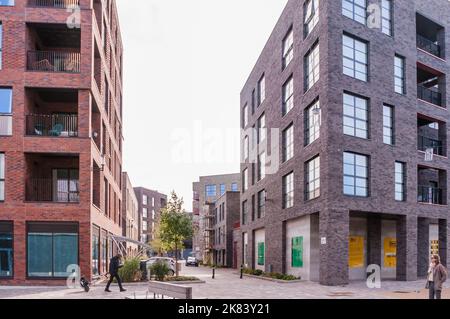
(114, 266)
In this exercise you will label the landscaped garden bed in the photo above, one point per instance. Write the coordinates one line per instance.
(276, 277)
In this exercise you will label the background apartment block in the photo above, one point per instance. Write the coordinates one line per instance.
(60, 139)
(130, 215)
(150, 203)
(205, 194)
(361, 109)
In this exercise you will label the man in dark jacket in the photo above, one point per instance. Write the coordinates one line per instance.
(114, 266)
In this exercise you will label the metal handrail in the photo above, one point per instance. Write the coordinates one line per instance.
(429, 95)
(430, 195)
(428, 45)
(426, 143)
(54, 61)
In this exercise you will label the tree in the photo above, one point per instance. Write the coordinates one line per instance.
(175, 226)
(156, 243)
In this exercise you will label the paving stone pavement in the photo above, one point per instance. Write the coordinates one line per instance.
(227, 285)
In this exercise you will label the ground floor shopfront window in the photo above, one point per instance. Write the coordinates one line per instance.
(51, 248)
(6, 250)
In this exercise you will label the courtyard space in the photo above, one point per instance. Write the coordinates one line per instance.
(227, 285)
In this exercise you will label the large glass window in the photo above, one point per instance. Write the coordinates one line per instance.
(355, 58)
(288, 48)
(388, 125)
(312, 123)
(51, 248)
(244, 213)
(261, 166)
(399, 74)
(288, 96)
(311, 15)
(95, 251)
(288, 143)
(66, 182)
(211, 190)
(6, 249)
(261, 90)
(355, 9)
(2, 177)
(262, 204)
(312, 67)
(5, 111)
(262, 128)
(356, 116)
(288, 191)
(386, 17)
(356, 175)
(400, 181)
(313, 178)
(245, 180)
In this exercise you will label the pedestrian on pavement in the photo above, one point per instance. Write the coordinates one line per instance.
(437, 275)
(114, 266)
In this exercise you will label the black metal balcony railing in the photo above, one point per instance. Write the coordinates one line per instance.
(61, 4)
(49, 190)
(56, 125)
(428, 45)
(427, 143)
(430, 195)
(430, 95)
(54, 61)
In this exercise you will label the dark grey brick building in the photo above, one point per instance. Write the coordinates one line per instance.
(357, 109)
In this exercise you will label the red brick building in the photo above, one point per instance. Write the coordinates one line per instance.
(60, 138)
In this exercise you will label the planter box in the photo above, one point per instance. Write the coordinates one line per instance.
(275, 280)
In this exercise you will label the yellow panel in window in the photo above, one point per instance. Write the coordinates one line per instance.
(390, 253)
(356, 252)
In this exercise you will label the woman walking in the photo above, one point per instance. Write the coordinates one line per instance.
(437, 275)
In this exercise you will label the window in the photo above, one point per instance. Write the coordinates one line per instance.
(288, 48)
(153, 202)
(297, 252)
(400, 181)
(244, 212)
(144, 226)
(261, 254)
(313, 178)
(399, 74)
(6, 250)
(355, 9)
(287, 141)
(245, 180)
(223, 189)
(312, 67)
(386, 17)
(51, 248)
(261, 166)
(145, 200)
(145, 212)
(2, 177)
(8, 3)
(66, 185)
(288, 191)
(355, 58)
(153, 214)
(311, 15)
(388, 125)
(312, 123)
(95, 250)
(261, 204)
(234, 187)
(261, 90)
(288, 96)
(356, 116)
(5, 111)
(262, 128)
(356, 175)
(245, 116)
(246, 148)
(211, 190)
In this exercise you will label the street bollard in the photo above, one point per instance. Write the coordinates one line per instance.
(242, 271)
(214, 273)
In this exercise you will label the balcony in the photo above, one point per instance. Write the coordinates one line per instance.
(432, 185)
(61, 190)
(53, 48)
(431, 134)
(430, 36)
(430, 195)
(430, 85)
(59, 4)
(426, 143)
(56, 125)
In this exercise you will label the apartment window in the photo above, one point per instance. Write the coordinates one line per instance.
(144, 226)
(145, 200)
(245, 116)
(222, 189)
(356, 175)
(6, 250)
(253, 101)
(211, 190)
(288, 96)
(311, 15)
(386, 17)
(262, 204)
(355, 9)
(153, 214)
(388, 125)
(244, 213)
(288, 48)
(246, 148)
(399, 75)
(153, 202)
(312, 123)
(8, 3)
(262, 128)
(234, 187)
(261, 90)
(261, 166)
(288, 191)
(287, 141)
(51, 248)
(2, 177)
(312, 67)
(313, 178)
(5, 111)
(356, 116)
(400, 181)
(355, 58)
(145, 212)
(66, 185)
(245, 180)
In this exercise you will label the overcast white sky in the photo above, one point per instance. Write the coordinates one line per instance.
(185, 64)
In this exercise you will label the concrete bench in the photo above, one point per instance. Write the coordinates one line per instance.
(169, 290)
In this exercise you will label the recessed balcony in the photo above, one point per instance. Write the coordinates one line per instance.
(59, 4)
(431, 134)
(432, 186)
(430, 85)
(430, 36)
